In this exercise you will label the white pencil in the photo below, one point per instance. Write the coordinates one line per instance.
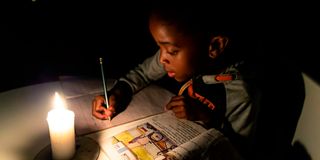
(104, 85)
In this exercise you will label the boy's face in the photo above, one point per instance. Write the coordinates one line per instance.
(177, 50)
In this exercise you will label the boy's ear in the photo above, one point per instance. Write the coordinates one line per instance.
(217, 45)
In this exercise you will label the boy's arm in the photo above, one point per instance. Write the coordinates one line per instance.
(135, 80)
(150, 70)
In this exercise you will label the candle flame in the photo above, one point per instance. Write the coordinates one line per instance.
(58, 101)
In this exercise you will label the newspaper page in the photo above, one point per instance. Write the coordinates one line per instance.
(162, 136)
(196, 147)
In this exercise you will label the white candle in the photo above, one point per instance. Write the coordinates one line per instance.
(61, 128)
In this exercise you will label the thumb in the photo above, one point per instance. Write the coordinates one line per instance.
(112, 102)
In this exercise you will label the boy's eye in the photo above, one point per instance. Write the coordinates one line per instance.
(174, 52)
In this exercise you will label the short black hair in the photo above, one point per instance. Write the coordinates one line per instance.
(211, 19)
(192, 17)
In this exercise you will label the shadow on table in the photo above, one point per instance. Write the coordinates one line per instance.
(33, 148)
(86, 148)
(300, 152)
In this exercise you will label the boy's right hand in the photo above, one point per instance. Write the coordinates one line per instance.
(99, 110)
(119, 98)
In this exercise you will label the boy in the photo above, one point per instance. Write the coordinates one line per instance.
(203, 59)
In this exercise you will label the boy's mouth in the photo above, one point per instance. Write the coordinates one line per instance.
(171, 74)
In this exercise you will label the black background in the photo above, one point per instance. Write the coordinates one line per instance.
(44, 39)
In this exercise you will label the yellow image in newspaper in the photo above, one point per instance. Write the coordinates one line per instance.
(124, 137)
(142, 153)
(138, 150)
(145, 141)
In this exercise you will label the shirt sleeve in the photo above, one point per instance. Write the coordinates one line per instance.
(239, 109)
(150, 70)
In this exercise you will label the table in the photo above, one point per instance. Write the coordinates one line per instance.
(23, 112)
(24, 130)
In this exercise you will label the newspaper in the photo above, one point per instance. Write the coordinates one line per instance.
(159, 137)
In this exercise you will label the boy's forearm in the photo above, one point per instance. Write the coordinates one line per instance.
(146, 72)
(135, 80)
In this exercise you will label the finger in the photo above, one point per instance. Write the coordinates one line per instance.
(96, 106)
(112, 103)
(177, 109)
(100, 113)
(100, 101)
(98, 110)
(176, 98)
(181, 115)
(176, 102)
(112, 100)
(180, 111)
(110, 112)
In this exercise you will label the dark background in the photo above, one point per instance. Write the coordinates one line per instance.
(44, 39)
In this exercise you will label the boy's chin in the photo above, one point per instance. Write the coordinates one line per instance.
(180, 79)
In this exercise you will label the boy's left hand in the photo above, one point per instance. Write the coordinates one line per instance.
(179, 105)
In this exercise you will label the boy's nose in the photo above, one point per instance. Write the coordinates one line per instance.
(163, 58)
